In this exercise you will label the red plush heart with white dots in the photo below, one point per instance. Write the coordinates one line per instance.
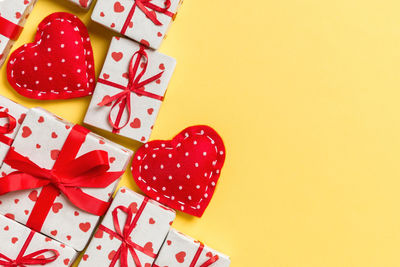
(58, 65)
(181, 173)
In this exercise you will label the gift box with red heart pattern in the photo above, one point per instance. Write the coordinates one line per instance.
(22, 246)
(131, 233)
(11, 117)
(145, 21)
(82, 3)
(58, 178)
(13, 15)
(180, 250)
(130, 90)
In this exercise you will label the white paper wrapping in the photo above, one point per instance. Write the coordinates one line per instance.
(13, 236)
(17, 12)
(152, 227)
(18, 112)
(179, 250)
(40, 138)
(114, 13)
(144, 109)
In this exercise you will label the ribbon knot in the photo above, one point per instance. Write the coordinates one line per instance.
(7, 128)
(68, 175)
(35, 258)
(124, 235)
(149, 9)
(135, 85)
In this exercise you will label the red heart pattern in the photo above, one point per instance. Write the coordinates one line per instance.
(180, 257)
(114, 14)
(181, 173)
(154, 217)
(58, 65)
(15, 235)
(181, 250)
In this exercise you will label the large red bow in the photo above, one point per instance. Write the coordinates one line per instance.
(123, 99)
(68, 176)
(124, 235)
(149, 10)
(7, 128)
(9, 29)
(35, 258)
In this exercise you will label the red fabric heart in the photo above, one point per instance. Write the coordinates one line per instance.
(181, 173)
(58, 65)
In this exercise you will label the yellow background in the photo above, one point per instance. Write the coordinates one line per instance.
(306, 95)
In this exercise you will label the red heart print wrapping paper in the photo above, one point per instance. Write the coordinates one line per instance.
(40, 139)
(115, 77)
(151, 222)
(13, 15)
(59, 64)
(180, 250)
(144, 21)
(13, 237)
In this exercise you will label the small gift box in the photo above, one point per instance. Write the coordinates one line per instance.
(82, 3)
(131, 233)
(11, 117)
(180, 250)
(146, 21)
(13, 15)
(130, 90)
(58, 178)
(21, 246)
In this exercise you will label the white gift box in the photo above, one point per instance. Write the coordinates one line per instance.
(41, 140)
(13, 15)
(150, 222)
(115, 78)
(144, 21)
(9, 111)
(180, 250)
(13, 237)
(82, 3)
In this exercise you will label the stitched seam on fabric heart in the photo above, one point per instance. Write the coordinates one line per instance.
(37, 44)
(179, 144)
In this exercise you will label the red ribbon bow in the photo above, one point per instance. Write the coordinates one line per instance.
(149, 9)
(68, 176)
(125, 236)
(7, 128)
(9, 29)
(35, 258)
(135, 85)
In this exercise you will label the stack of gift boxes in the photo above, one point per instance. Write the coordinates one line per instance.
(58, 179)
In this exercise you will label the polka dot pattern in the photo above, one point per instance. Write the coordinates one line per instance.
(181, 173)
(58, 65)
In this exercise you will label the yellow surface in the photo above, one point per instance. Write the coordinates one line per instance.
(306, 95)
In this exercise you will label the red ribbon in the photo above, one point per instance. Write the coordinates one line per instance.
(7, 128)
(9, 29)
(35, 258)
(125, 236)
(135, 85)
(149, 9)
(197, 256)
(68, 176)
